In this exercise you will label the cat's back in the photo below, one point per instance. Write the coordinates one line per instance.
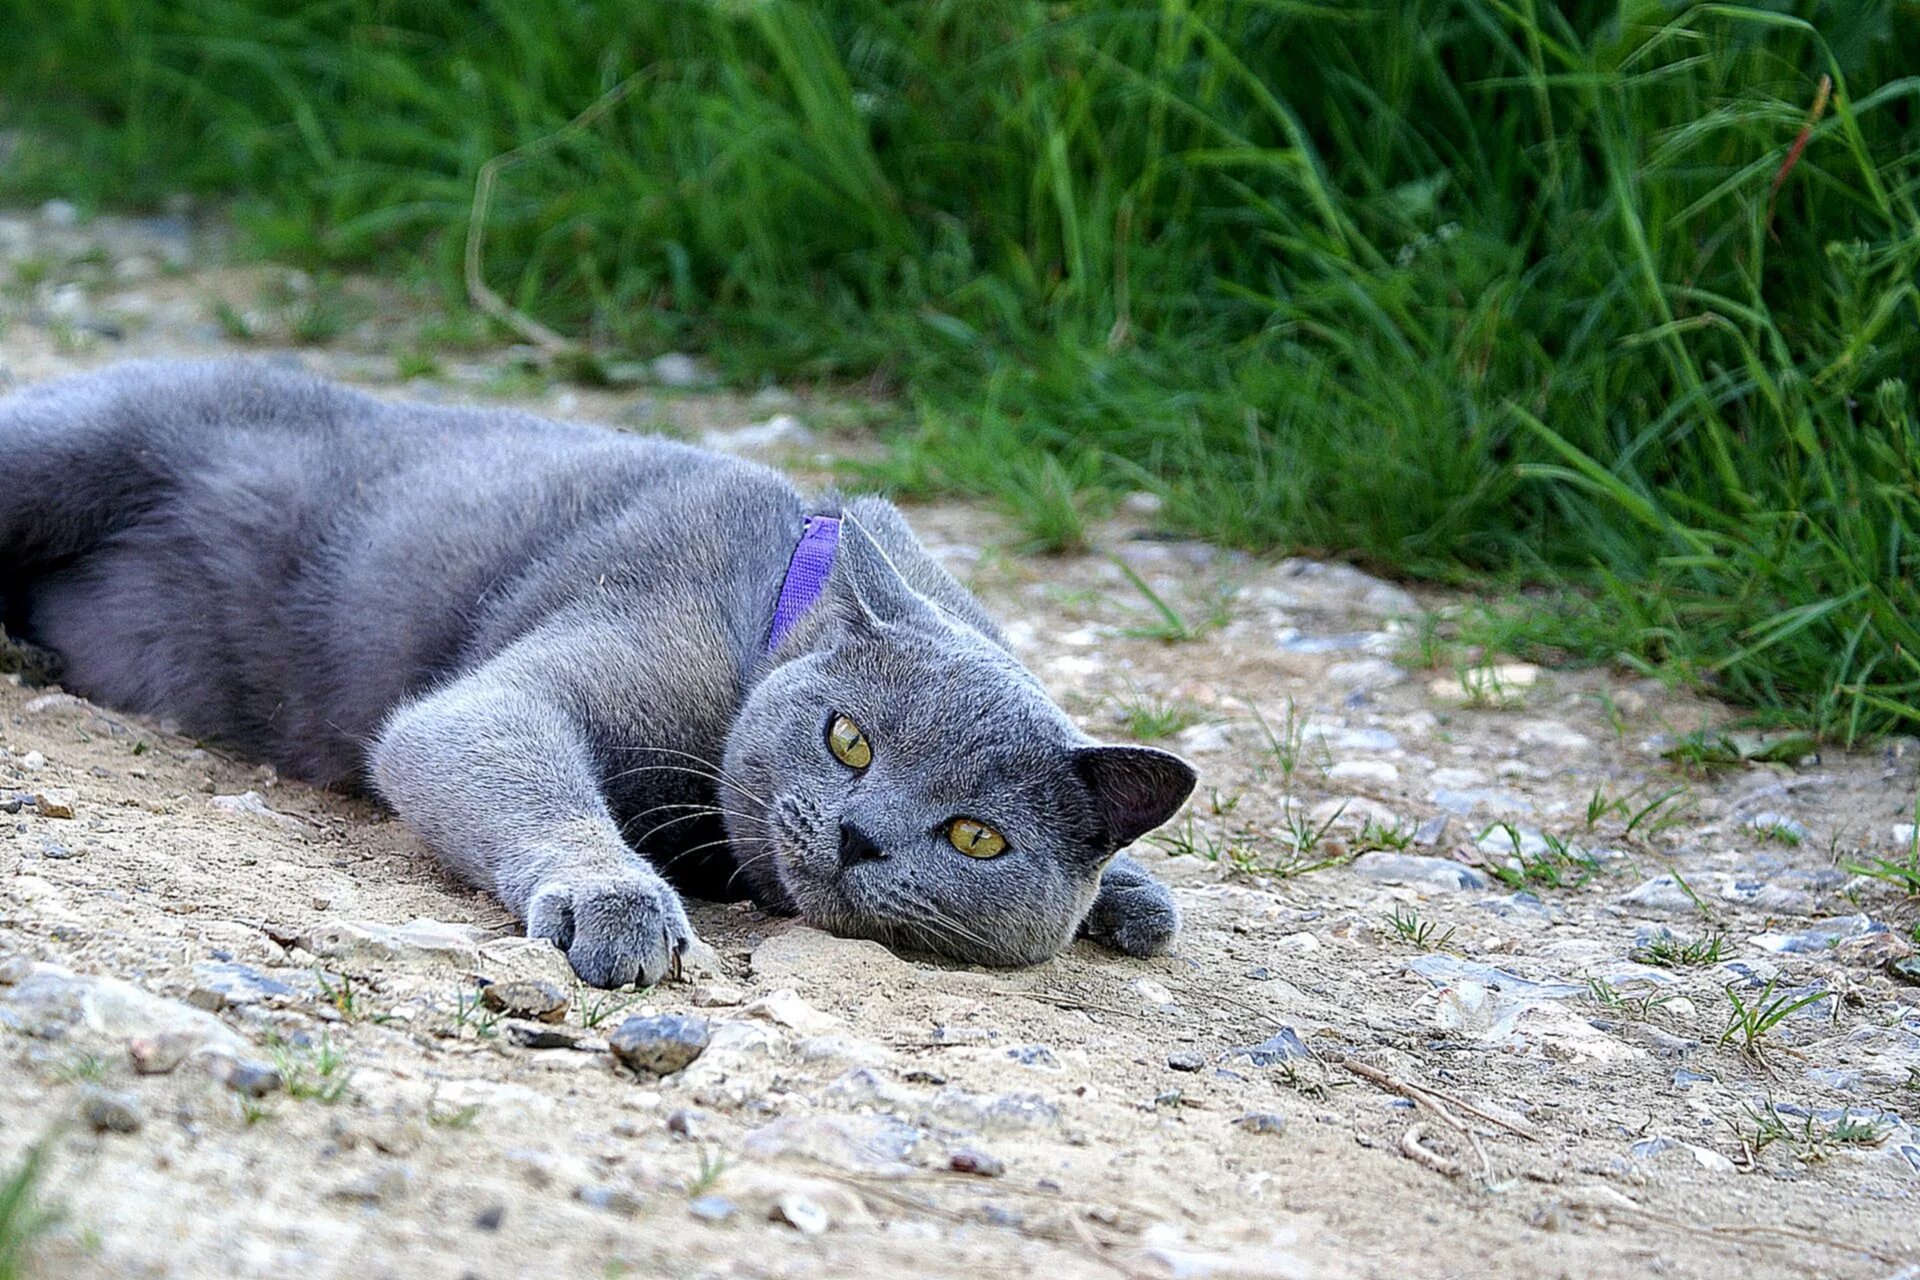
(289, 556)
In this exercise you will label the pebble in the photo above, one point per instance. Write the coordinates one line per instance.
(1435, 875)
(718, 995)
(490, 1218)
(533, 999)
(1186, 1060)
(1264, 1122)
(1366, 674)
(712, 1208)
(662, 1044)
(51, 802)
(109, 1111)
(1284, 1045)
(678, 370)
(15, 970)
(787, 1009)
(160, 1054)
(1661, 895)
(802, 1213)
(543, 1035)
(977, 1162)
(608, 1199)
(1774, 825)
(1375, 772)
(1820, 936)
(254, 1079)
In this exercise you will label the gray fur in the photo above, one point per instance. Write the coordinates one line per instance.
(544, 646)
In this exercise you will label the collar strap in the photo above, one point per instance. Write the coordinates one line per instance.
(807, 574)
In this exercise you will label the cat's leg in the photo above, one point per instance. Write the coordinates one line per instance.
(493, 774)
(1133, 913)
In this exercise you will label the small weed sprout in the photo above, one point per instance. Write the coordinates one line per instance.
(316, 1072)
(1148, 718)
(79, 1067)
(1751, 1022)
(1668, 952)
(23, 1219)
(713, 1163)
(601, 1005)
(1610, 997)
(1406, 922)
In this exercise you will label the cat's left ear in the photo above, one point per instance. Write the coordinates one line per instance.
(1135, 788)
(870, 587)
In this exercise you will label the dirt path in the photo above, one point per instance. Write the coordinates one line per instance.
(1393, 1066)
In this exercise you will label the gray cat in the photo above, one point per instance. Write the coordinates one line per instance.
(554, 651)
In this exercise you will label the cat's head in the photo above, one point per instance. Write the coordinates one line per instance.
(904, 779)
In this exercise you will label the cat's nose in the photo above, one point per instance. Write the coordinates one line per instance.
(857, 846)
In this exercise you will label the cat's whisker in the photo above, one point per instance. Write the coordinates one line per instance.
(719, 773)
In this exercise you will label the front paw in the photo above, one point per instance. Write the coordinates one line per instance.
(1133, 913)
(616, 928)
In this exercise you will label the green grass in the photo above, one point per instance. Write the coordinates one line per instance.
(23, 1219)
(1598, 294)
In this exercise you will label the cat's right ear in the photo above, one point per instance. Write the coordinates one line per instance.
(1135, 788)
(867, 590)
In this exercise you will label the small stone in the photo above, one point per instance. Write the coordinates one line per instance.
(51, 848)
(608, 1199)
(1906, 968)
(33, 762)
(490, 1218)
(160, 1054)
(211, 999)
(1778, 826)
(1154, 993)
(662, 1044)
(532, 998)
(711, 1208)
(1186, 1060)
(718, 995)
(1265, 1122)
(52, 802)
(689, 1123)
(253, 1079)
(786, 1008)
(1035, 1055)
(109, 1111)
(1366, 673)
(543, 1035)
(802, 1213)
(389, 1182)
(15, 970)
(974, 1161)
(1284, 1045)
(1373, 772)
(1435, 875)
(60, 213)
(678, 370)
(1662, 895)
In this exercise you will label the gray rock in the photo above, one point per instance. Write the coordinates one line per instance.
(1284, 1045)
(1186, 1060)
(662, 1044)
(679, 371)
(253, 1079)
(1464, 802)
(1035, 1055)
(1444, 971)
(161, 1054)
(387, 1183)
(1263, 1122)
(1820, 936)
(974, 1161)
(109, 1110)
(995, 1113)
(1366, 673)
(865, 1144)
(1661, 895)
(534, 999)
(1434, 875)
(712, 1208)
(15, 970)
(239, 984)
(607, 1199)
(53, 1003)
(1520, 906)
(543, 1035)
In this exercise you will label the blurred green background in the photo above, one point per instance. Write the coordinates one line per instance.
(1612, 298)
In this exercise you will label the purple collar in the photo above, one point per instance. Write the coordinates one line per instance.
(806, 576)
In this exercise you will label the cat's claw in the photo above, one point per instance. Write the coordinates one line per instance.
(1133, 913)
(627, 927)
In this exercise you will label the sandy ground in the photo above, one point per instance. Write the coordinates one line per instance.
(1368, 1055)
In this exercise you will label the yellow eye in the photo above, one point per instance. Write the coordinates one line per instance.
(976, 839)
(848, 744)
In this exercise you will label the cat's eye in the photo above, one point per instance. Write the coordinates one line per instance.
(848, 744)
(975, 839)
